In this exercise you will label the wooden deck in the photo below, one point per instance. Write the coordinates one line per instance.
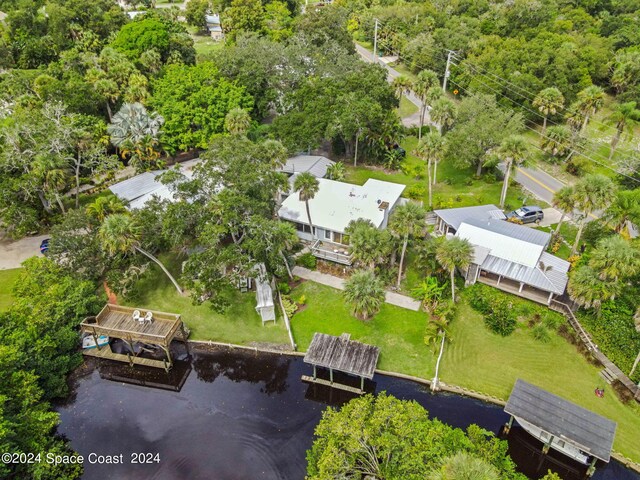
(327, 383)
(510, 286)
(105, 352)
(332, 252)
(117, 321)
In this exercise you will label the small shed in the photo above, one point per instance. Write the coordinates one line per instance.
(561, 424)
(342, 354)
(264, 295)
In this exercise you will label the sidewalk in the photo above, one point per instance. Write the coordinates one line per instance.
(391, 298)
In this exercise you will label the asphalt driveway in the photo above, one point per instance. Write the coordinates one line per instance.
(13, 253)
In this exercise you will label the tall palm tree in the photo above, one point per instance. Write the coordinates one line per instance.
(307, 186)
(548, 102)
(587, 289)
(365, 292)
(625, 208)
(454, 253)
(101, 207)
(407, 221)
(120, 234)
(465, 466)
(237, 121)
(443, 113)
(590, 100)
(401, 85)
(564, 201)
(513, 150)
(431, 150)
(625, 117)
(426, 79)
(557, 141)
(614, 258)
(592, 192)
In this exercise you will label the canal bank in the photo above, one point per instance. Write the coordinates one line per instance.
(230, 413)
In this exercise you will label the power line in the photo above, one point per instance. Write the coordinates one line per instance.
(531, 96)
(540, 115)
(575, 150)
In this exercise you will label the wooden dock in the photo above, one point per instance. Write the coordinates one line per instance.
(105, 352)
(327, 383)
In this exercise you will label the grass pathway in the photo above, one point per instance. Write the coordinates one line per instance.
(7, 279)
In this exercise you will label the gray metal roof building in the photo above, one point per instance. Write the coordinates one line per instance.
(455, 216)
(587, 431)
(314, 164)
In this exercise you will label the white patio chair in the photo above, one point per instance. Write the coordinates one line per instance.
(136, 315)
(148, 317)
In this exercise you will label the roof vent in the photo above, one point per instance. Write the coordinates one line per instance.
(383, 205)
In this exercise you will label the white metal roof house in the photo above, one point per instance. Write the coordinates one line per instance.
(506, 255)
(334, 206)
(138, 190)
(214, 26)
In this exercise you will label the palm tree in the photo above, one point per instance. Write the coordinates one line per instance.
(365, 292)
(513, 150)
(428, 292)
(625, 117)
(431, 150)
(237, 121)
(564, 201)
(590, 100)
(120, 234)
(557, 141)
(454, 253)
(368, 245)
(407, 221)
(548, 102)
(336, 171)
(135, 132)
(614, 258)
(588, 290)
(101, 207)
(625, 208)
(401, 85)
(426, 79)
(443, 113)
(592, 192)
(307, 186)
(465, 466)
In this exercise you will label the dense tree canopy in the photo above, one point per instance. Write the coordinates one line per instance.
(194, 101)
(383, 437)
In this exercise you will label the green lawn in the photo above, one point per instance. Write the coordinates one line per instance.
(486, 362)
(407, 107)
(240, 324)
(205, 45)
(397, 331)
(475, 359)
(7, 279)
(455, 187)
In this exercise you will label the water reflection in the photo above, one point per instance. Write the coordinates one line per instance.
(241, 416)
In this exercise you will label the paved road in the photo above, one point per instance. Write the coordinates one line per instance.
(392, 298)
(412, 120)
(12, 254)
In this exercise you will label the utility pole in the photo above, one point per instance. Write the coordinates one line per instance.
(447, 72)
(375, 42)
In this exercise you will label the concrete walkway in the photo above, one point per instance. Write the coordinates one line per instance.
(391, 298)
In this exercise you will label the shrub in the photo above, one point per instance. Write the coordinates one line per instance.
(302, 300)
(416, 191)
(553, 321)
(284, 288)
(501, 319)
(307, 260)
(541, 332)
(289, 305)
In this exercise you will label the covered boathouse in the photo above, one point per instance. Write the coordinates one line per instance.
(115, 321)
(341, 354)
(562, 425)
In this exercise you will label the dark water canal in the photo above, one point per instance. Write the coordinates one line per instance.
(237, 415)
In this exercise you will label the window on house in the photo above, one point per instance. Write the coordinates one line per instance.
(302, 227)
(327, 234)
